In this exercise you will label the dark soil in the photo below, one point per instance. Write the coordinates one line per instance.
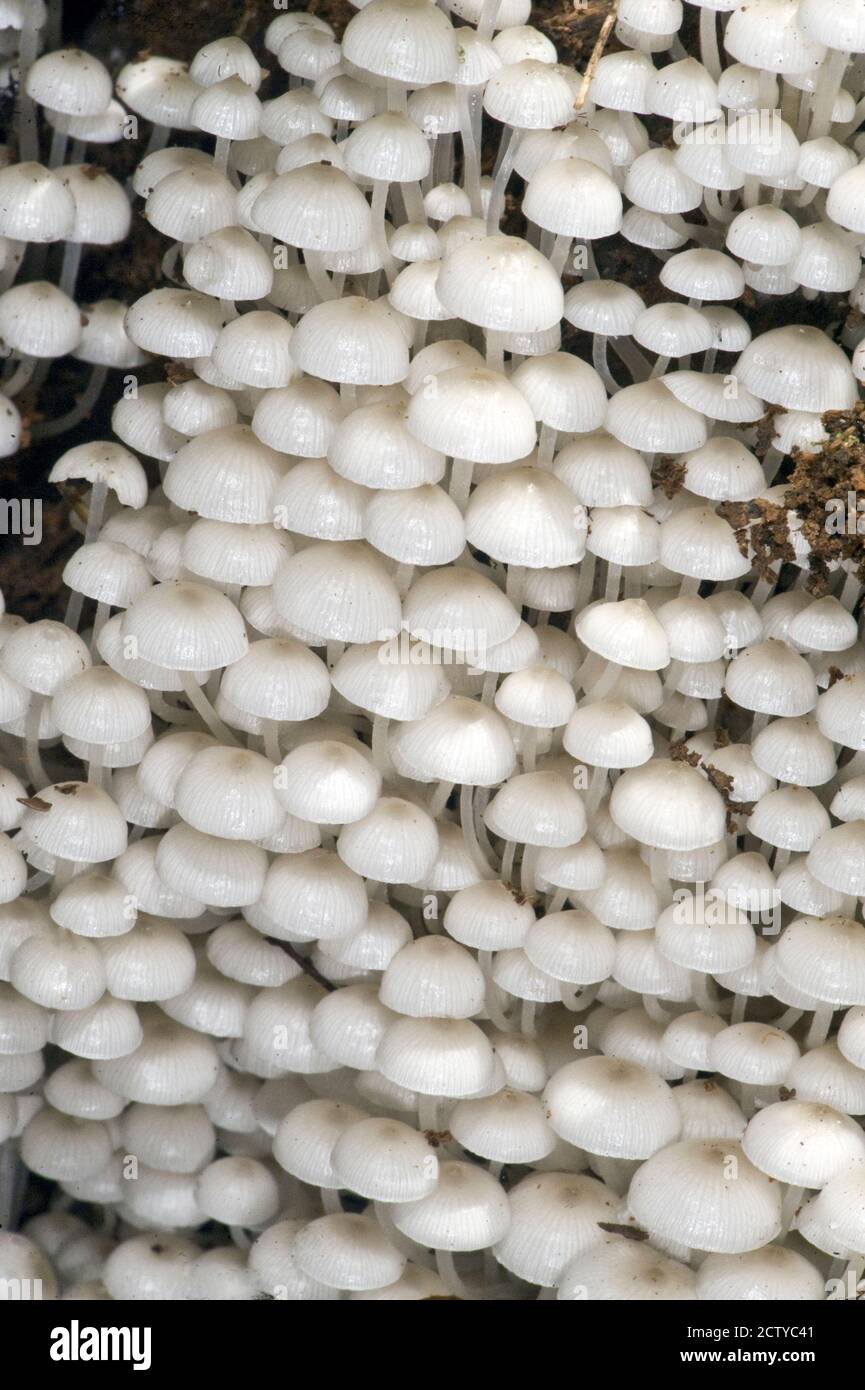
(819, 481)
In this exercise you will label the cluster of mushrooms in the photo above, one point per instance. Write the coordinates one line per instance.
(434, 846)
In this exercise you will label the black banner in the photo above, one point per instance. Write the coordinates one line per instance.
(63, 1340)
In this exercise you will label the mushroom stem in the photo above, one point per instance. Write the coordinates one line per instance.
(95, 510)
(442, 163)
(632, 358)
(413, 202)
(439, 799)
(595, 791)
(709, 52)
(763, 590)
(599, 362)
(20, 377)
(560, 252)
(14, 256)
(585, 581)
(751, 191)
(527, 1018)
(508, 860)
(171, 714)
(220, 153)
(823, 97)
(69, 270)
(772, 460)
(380, 754)
(27, 126)
(64, 872)
(159, 138)
(702, 993)
(95, 765)
(428, 1113)
(396, 96)
(448, 1274)
(488, 16)
(461, 482)
(615, 1172)
(467, 821)
(689, 586)
(850, 592)
(403, 576)
(493, 995)
(73, 613)
(529, 750)
(488, 691)
(204, 709)
(672, 675)
(614, 579)
(500, 182)
(103, 613)
(821, 1022)
(515, 583)
(790, 1205)
(655, 1009)
(791, 103)
(321, 281)
(57, 155)
(270, 731)
(660, 875)
(379, 228)
(546, 446)
(495, 351)
(576, 998)
(527, 870)
(402, 1243)
(32, 760)
(605, 682)
(471, 155)
(170, 260)
(715, 208)
(788, 1019)
(844, 131)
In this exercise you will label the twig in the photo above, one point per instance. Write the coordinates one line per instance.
(306, 966)
(597, 54)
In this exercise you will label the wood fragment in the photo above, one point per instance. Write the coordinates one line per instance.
(629, 1232)
(597, 55)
